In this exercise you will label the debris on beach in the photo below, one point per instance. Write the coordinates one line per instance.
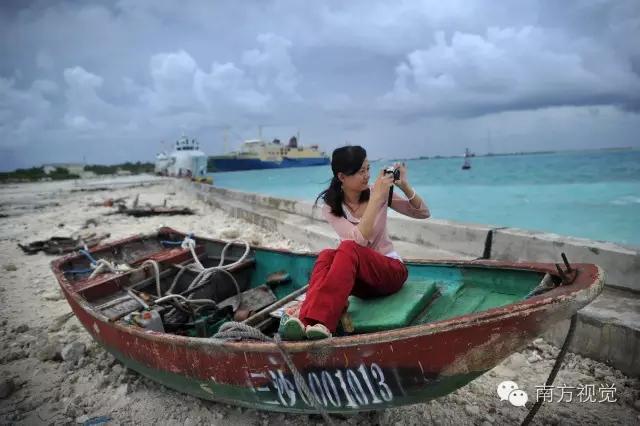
(150, 210)
(156, 211)
(109, 202)
(94, 189)
(61, 245)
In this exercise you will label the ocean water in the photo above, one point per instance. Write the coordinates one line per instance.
(591, 194)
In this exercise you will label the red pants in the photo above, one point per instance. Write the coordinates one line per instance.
(349, 269)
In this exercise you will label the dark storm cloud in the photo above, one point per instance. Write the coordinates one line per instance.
(109, 80)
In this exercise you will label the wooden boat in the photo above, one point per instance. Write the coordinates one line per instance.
(473, 315)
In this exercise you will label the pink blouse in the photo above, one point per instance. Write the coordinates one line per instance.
(347, 228)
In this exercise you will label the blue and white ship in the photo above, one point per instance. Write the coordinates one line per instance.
(259, 154)
(186, 160)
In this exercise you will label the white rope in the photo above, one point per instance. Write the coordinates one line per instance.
(184, 299)
(205, 274)
(156, 270)
(102, 264)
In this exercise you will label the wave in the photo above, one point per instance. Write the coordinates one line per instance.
(626, 200)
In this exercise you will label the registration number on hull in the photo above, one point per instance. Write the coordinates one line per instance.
(350, 388)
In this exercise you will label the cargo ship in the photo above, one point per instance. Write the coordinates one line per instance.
(259, 154)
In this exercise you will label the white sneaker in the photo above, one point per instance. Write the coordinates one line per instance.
(317, 331)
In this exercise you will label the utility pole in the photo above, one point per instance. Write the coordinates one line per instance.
(226, 148)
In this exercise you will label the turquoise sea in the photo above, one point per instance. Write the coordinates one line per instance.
(589, 194)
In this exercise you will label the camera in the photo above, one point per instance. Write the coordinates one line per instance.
(392, 170)
(396, 176)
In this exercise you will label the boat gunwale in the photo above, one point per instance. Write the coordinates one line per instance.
(581, 290)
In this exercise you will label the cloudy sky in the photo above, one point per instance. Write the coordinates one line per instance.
(110, 81)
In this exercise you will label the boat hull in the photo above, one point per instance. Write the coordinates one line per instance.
(232, 164)
(347, 374)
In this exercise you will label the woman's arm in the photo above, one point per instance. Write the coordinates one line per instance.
(413, 205)
(345, 229)
(378, 196)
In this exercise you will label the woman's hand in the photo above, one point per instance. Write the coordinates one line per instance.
(403, 174)
(380, 191)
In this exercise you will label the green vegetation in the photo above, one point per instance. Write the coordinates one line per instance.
(36, 173)
(60, 173)
(134, 168)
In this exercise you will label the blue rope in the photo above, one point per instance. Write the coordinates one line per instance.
(78, 271)
(88, 256)
(175, 243)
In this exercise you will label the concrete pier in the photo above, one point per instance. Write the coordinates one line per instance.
(608, 329)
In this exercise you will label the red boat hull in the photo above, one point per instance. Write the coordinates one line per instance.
(347, 374)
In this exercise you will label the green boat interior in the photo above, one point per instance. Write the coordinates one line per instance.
(154, 282)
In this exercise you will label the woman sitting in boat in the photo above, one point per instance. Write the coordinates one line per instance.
(365, 263)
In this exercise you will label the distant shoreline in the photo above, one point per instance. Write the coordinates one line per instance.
(508, 154)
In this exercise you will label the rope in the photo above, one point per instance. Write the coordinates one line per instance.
(204, 274)
(237, 331)
(156, 270)
(554, 370)
(88, 255)
(100, 265)
(184, 299)
(78, 271)
(170, 243)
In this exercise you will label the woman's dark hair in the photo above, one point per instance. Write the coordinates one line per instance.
(347, 160)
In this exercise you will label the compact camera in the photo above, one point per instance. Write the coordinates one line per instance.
(396, 176)
(392, 171)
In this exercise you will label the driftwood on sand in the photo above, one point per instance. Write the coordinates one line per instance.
(153, 211)
(60, 245)
(150, 210)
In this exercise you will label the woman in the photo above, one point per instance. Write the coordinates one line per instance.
(365, 263)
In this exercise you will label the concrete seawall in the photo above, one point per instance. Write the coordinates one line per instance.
(608, 330)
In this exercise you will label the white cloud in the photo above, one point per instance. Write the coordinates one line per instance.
(226, 86)
(172, 76)
(81, 80)
(508, 69)
(265, 79)
(273, 64)
(85, 109)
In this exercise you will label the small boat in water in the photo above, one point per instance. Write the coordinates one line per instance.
(467, 164)
(149, 302)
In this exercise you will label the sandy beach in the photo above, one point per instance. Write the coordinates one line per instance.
(52, 372)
